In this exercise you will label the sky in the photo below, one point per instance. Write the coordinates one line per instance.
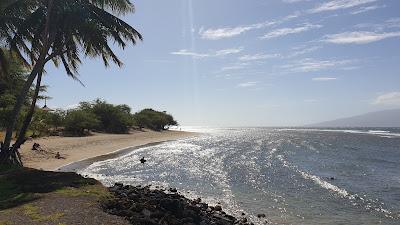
(249, 62)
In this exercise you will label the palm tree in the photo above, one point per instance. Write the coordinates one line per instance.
(61, 31)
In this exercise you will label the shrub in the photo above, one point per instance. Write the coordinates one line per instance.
(39, 124)
(56, 119)
(77, 122)
(113, 118)
(154, 120)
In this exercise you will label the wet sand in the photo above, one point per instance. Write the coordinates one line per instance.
(73, 149)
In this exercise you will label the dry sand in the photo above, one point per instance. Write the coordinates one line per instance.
(74, 149)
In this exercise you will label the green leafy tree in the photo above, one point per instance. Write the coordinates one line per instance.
(39, 31)
(154, 120)
(10, 84)
(78, 122)
(56, 119)
(113, 118)
(39, 124)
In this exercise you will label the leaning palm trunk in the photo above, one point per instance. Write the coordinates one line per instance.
(8, 154)
(6, 150)
(60, 31)
(17, 108)
(28, 118)
(14, 152)
(3, 64)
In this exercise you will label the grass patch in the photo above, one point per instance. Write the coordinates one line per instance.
(7, 189)
(8, 168)
(11, 194)
(92, 190)
(33, 213)
(22, 185)
(2, 222)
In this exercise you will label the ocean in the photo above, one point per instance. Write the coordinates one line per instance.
(293, 176)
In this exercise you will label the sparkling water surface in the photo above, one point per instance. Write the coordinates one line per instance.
(294, 176)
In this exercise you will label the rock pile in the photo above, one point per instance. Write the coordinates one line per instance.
(145, 206)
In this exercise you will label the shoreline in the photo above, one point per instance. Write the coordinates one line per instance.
(83, 163)
(51, 197)
(79, 151)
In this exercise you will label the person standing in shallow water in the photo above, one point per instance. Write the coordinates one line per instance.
(142, 160)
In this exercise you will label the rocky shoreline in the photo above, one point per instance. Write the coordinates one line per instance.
(146, 206)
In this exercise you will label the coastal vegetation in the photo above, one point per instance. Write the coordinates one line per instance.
(32, 34)
(112, 118)
(102, 116)
(42, 31)
(97, 115)
(154, 120)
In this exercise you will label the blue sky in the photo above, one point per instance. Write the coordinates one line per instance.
(250, 62)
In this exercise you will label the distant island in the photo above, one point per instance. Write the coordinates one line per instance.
(385, 118)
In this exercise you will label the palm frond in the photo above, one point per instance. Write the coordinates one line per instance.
(117, 6)
(76, 28)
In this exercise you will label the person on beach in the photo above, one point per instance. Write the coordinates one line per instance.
(36, 147)
(58, 156)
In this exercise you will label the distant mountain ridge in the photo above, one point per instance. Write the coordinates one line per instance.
(386, 118)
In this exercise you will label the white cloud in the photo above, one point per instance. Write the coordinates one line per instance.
(248, 84)
(228, 51)
(393, 22)
(388, 24)
(73, 106)
(391, 98)
(186, 52)
(223, 52)
(312, 65)
(258, 57)
(303, 50)
(339, 4)
(359, 37)
(367, 8)
(286, 31)
(324, 78)
(228, 32)
(234, 67)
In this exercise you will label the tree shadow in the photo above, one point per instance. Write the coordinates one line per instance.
(22, 185)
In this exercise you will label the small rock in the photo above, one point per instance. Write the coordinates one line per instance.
(261, 215)
(243, 220)
(217, 208)
(171, 204)
(118, 184)
(146, 212)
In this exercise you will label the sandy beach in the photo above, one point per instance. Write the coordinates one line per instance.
(74, 149)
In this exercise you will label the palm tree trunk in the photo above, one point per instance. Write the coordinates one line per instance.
(21, 135)
(28, 118)
(5, 151)
(3, 64)
(17, 109)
